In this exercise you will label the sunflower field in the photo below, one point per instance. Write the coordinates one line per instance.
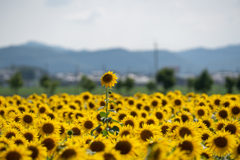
(110, 126)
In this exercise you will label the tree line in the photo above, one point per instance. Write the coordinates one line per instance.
(165, 77)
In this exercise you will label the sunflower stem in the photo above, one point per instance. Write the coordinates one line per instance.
(106, 107)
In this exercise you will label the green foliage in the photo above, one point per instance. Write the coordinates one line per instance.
(87, 83)
(119, 84)
(190, 83)
(166, 77)
(229, 84)
(151, 85)
(15, 82)
(203, 82)
(238, 83)
(53, 86)
(129, 83)
(45, 81)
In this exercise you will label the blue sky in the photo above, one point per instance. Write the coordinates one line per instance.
(132, 24)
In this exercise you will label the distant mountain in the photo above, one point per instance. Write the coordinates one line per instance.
(58, 59)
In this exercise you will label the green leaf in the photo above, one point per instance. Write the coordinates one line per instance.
(103, 114)
(101, 108)
(104, 132)
(103, 119)
(109, 119)
(112, 102)
(95, 128)
(112, 110)
(117, 122)
(115, 128)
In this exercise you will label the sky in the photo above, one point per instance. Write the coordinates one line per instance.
(174, 25)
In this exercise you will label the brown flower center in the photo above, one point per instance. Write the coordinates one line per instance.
(133, 113)
(130, 102)
(221, 142)
(42, 109)
(97, 146)
(205, 155)
(205, 136)
(177, 102)
(129, 122)
(223, 114)
(226, 104)
(186, 146)
(164, 129)
(28, 136)
(231, 128)
(164, 102)
(124, 147)
(76, 131)
(88, 124)
(125, 133)
(107, 78)
(238, 149)
(184, 118)
(108, 156)
(27, 119)
(200, 112)
(13, 155)
(62, 130)
(159, 115)
(10, 135)
(86, 97)
(154, 103)
(48, 143)
(146, 134)
(18, 142)
(220, 126)
(68, 153)
(48, 128)
(208, 124)
(34, 150)
(122, 116)
(150, 121)
(235, 110)
(184, 131)
(217, 102)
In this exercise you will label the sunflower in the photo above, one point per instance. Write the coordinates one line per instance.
(177, 102)
(121, 115)
(88, 123)
(160, 115)
(86, 96)
(221, 143)
(222, 113)
(9, 133)
(30, 134)
(165, 128)
(130, 121)
(205, 134)
(146, 107)
(205, 153)
(186, 129)
(155, 102)
(226, 102)
(128, 147)
(43, 108)
(77, 130)
(216, 100)
(143, 114)
(19, 140)
(185, 116)
(27, 119)
(147, 132)
(50, 142)
(151, 120)
(110, 154)
(191, 146)
(133, 112)
(234, 110)
(71, 152)
(200, 112)
(100, 144)
(48, 127)
(109, 79)
(233, 127)
(16, 153)
(207, 121)
(15, 125)
(219, 125)
(126, 130)
(236, 151)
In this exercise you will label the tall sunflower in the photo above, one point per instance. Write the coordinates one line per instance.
(109, 79)
(71, 152)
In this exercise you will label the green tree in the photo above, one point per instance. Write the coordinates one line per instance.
(129, 83)
(190, 83)
(53, 86)
(229, 84)
(45, 82)
(151, 85)
(119, 84)
(87, 83)
(166, 77)
(238, 83)
(203, 82)
(15, 82)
